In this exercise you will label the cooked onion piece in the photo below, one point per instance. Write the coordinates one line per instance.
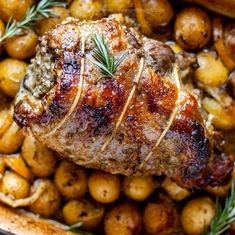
(71, 180)
(89, 214)
(123, 219)
(197, 215)
(175, 191)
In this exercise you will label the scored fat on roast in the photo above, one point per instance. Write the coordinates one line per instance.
(138, 120)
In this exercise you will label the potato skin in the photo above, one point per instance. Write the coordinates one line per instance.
(138, 187)
(14, 185)
(124, 219)
(39, 158)
(22, 47)
(158, 13)
(45, 25)
(160, 216)
(211, 71)
(84, 211)
(197, 215)
(104, 187)
(14, 8)
(192, 29)
(48, 203)
(86, 9)
(118, 6)
(71, 180)
(11, 73)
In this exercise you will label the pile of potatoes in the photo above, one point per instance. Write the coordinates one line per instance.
(113, 204)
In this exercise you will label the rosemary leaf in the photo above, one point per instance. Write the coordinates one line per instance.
(34, 13)
(103, 59)
(225, 215)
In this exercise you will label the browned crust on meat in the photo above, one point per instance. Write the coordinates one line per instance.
(184, 153)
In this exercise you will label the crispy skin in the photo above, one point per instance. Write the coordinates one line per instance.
(184, 154)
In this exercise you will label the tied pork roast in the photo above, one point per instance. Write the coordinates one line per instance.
(140, 121)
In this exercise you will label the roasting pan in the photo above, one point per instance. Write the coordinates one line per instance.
(19, 222)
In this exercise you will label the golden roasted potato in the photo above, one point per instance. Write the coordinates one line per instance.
(48, 203)
(39, 158)
(90, 214)
(123, 219)
(86, 9)
(118, 6)
(71, 180)
(11, 139)
(14, 8)
(45, 25)
(138, 187)
(222, 118)
(6, 117)
(175, 191)
(23, 46)
(197, 215)
(11, 73)
(219, 191)
(160, 216)
(2, 29)
(192, 29)
(211, 71)
(104, 187)
(157, 13)
(14, 185)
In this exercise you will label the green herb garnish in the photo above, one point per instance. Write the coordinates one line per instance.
(34, 13)
(225, 215)
(103, 59)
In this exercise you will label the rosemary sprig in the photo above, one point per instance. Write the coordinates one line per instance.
(225, 216)
(102, 58)
(34, 13)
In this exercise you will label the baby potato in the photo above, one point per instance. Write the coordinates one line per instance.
(6, 118)
(160, 216)
(90, 214)
(23, 46)
(48, 203)
(46, 24)
(104, 187)
(14, 185)
(192, 29)
(138, 187)
(175, 191)
(14, 8)
(39, 158)
(118, 6)
(222, 118)
(12, 139)
(197, 215)
(123, 219)
(86, 9)
(71, 180)
(11, 73)
(211, 71)
(2, 28)
(157, 13)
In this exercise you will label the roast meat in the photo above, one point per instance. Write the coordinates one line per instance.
(141, 121)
